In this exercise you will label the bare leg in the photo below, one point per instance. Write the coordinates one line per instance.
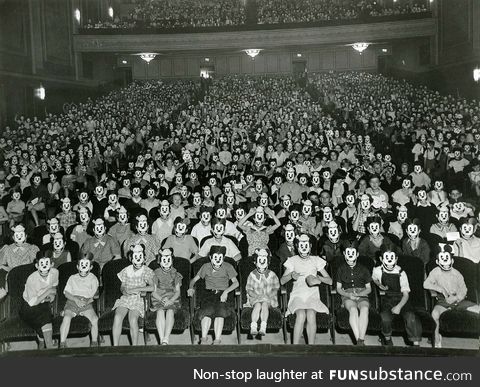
(206, 324)
(65, 327)
(120, 314)
(160, 322)
(311, 326)
(133, 316)
(47, 331)
(353, 320)
(436, 313)
(363, 322)
(264, 318)
(169, 321)
(218, 327)
(299, 324)
(255, 316)
(93, 318)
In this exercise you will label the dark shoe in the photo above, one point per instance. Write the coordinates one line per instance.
(361, 343)
(388, 342)
(62, 345)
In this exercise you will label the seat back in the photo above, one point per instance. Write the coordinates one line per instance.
(111, 283)
(471, 275)
(64, 272)
(16, 279)
(415, 271)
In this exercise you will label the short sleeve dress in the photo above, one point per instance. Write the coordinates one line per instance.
(166, 282)
(132, 278)
(302, 295)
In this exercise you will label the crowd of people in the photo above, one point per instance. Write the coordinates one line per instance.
(174, 14)
(303, 182)
(310, 11)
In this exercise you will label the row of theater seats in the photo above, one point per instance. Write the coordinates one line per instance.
(452, 323)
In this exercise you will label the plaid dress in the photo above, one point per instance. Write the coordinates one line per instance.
(132, 279)
(262, 288)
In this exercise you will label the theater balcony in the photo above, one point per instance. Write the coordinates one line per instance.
(266, 36)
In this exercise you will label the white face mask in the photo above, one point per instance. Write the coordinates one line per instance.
(19, 237)
(389, 260)
(84, 266)
(303, 248)
(99, 230)
(445, 261)
(351, 256)
(467, 230)
(443, 217)
(43, 266)
(327, 215)
(180, 229)
(402, 216)
(289, 234)
(333, 234)
(262, 261)
(259, 216)
(53, 228)
(216, 260)
(406, 184)
(205, 218)
(166, 260)
(165, 210)
(294, 216)
(58, 243)
(374, 229)
(365, 204)
(412, 231)
(142, 226)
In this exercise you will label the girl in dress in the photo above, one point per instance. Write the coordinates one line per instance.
(136, 279)
(305, 298)
(262, 291)
(166, 296)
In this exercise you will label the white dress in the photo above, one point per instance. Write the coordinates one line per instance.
(302, 295)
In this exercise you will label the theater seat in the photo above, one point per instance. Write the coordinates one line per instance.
(275, 318)
(182, 315)
(12, 328)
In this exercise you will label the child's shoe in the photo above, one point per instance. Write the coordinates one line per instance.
(205, 341)
(360, 342)
(93, 344)
(63, 345)
(387, 342)
(438, 341)
(165, 342)
(217, 342)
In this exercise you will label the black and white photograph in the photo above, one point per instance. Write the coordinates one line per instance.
(239, 177)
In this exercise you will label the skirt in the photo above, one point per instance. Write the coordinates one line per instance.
(361, 300)
(36, 316)
(164, 294)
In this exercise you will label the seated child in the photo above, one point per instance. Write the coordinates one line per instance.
(353, 284)
(262, 291)
(15, 208)
(40, 291)
(136, 279)
(449, 287)
(305, 299)
(213, 304)
(80, 291)
(166, 296)
(390, 278)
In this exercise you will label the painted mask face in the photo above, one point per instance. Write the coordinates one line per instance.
(221, 213)
(136, 192)
(184, 191)
(99, 191)
(289, 234)
(197, 199)
(37, 180)
(16, 195)
(230, 200)
(290, 174)
(388, 158)
(261, 261)
(315, 178)
(142, 224)
(406, 184)
(84, 266)
(205, 218)
(259, 217)
(112, 199)
(458, 207)
(19, 237)
(207, 193)
(438, 185)
(212, 182)
(389, 260)
(350, 200)
(239, 213)
(83, 215)
(351, 255)
(164, 209)
(99, 228)
(374, 228)
(443, 216)
(286, 202)
(68, 170)
(216, 260)
(422, 195)
(180, 229)
(43, 266)
(445, 261)
(402, 216)
(218, 230)
(413, 231)
(58, 243)
(307, 208)
(227, 188)
(126, 183)
(53, 226)
(277, 180)
(249, 178)
(166, 260)
(326, 175)
(365, 203)
(333, 233)
(467, 230)
(150, 193)
(304, 246)
(258, 186)
(327, 215)
(294, 216)
(138, 257)
(122, 215)
(263, 200)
